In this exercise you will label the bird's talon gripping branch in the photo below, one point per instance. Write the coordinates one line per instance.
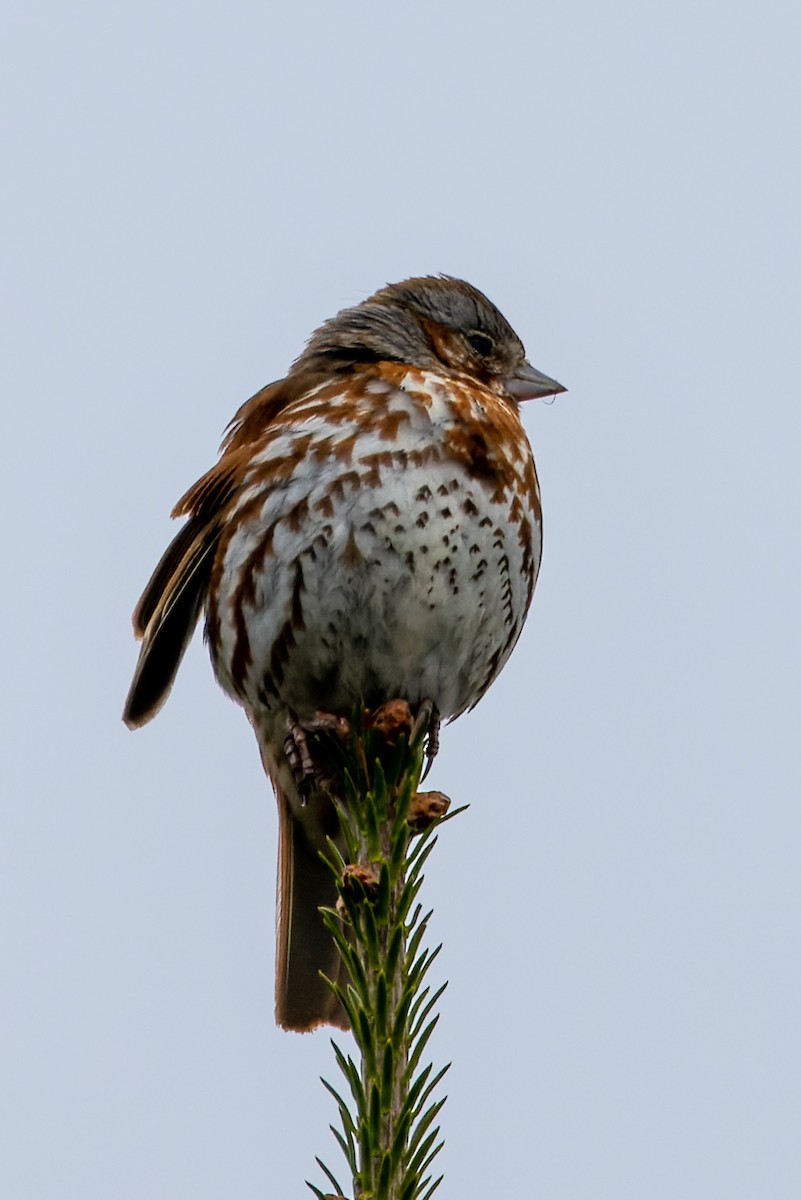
(422, 722)
(309, 773)
(296, 748)
(432, 736)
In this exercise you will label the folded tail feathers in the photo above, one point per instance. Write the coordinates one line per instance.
(304, 947)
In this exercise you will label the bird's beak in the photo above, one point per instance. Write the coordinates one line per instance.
(527, 383)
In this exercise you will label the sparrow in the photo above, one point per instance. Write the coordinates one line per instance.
(372, 529)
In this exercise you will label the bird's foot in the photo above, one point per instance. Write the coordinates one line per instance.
(392, 720)
(427, 722)
(309, 774)
(296, 748)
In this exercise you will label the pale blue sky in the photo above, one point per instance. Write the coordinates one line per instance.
(189, 190)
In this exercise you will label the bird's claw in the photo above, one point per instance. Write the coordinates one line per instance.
(428, 721)
(309, 775)
(296, 748)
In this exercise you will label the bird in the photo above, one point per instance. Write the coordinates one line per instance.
(371, 530)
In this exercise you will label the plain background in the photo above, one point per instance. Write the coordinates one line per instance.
(189, 189)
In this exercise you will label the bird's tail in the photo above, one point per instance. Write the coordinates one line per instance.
(304, 947)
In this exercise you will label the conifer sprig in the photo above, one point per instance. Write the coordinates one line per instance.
(388, 1113)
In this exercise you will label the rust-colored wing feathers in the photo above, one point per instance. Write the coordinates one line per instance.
(169, 608)
(257, 413)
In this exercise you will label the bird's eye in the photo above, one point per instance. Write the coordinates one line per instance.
(481, 343)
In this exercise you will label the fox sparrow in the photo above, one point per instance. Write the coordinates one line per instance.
(372, 530)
